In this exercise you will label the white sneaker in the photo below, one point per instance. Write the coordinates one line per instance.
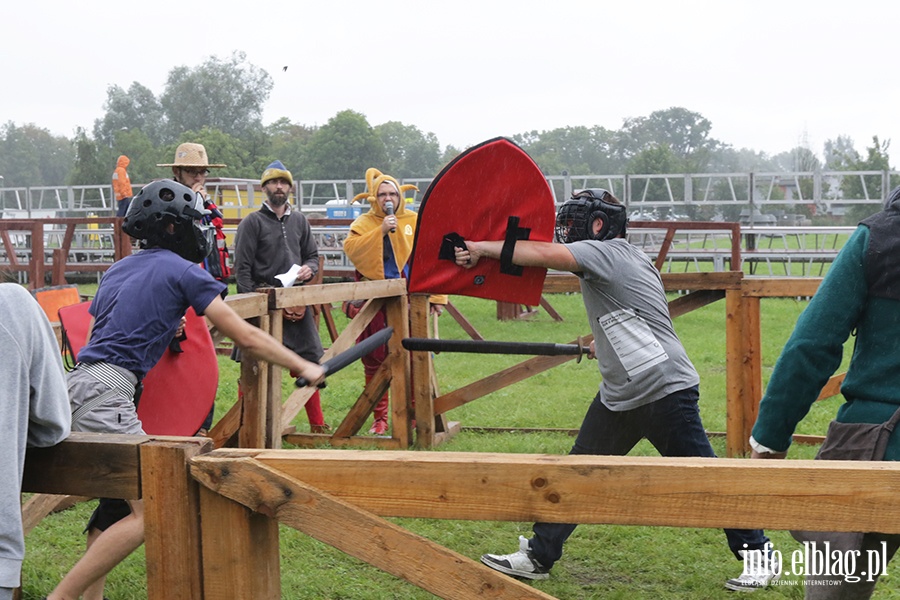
(757, 574)
(518, 564)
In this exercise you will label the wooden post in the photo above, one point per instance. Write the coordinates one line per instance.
(272, 398)
(752, 363)
(397, 309)
(240, 551)
(172, 519)
(121, 240)
(37, 255)
(507, 311)
(254, 385)
(422, 368)
(735, 383)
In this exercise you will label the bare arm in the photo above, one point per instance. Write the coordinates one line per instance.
(259, 343)
(527, 254)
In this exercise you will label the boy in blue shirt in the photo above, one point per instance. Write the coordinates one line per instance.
(136, 312)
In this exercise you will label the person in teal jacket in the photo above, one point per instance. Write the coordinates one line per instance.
(860, 297)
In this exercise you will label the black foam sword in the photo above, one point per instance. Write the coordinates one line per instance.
(491, 347)
(351, 355)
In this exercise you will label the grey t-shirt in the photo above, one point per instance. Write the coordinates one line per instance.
(640, 357)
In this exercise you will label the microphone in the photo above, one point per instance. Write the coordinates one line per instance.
(389, 210)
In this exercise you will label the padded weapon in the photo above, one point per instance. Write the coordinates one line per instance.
(491, 347)
(351, 355)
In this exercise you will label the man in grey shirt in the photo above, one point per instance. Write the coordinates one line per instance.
(649, 388)
(268, 243)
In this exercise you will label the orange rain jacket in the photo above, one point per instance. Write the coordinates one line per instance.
(120, 181)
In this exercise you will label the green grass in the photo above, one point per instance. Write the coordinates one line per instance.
(601, 561)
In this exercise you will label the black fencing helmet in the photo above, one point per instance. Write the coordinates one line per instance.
(575, 218)
(161, 203)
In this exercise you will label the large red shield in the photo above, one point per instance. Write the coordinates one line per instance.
(180, 390)
(493, 191)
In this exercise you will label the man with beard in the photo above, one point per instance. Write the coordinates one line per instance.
(268, 243)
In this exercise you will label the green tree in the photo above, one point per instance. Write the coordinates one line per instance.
(685, 132)
(578, 150)
(92, 162)
(839, 153)
(143, 153)
(344, 148)
(227, 95)
(725, 159)
(410, 153)
(799, 159)
(877, 159)
(32, 156)
(655, 159)
(287, 142)
(450, 152)
(136, 109)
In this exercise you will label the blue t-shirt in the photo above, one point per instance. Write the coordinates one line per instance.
(139, 305)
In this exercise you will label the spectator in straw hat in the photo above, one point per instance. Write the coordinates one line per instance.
(190, 168)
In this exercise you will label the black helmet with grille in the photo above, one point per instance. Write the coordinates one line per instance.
(161, 204)
(575, 218)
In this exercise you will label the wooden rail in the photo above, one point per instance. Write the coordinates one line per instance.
(743, 360)
(259, 428)
(61, 261)
(212, 516)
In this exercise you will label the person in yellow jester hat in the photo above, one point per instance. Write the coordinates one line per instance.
(379, 246)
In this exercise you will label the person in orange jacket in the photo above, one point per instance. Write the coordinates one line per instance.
(121, 184)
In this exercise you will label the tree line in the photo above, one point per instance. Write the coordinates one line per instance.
(220, 102)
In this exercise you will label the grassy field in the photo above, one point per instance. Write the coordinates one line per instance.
(600, 561)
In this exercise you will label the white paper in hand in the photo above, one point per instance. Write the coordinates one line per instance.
(290, 278)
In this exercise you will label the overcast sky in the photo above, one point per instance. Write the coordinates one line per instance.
(769, 75)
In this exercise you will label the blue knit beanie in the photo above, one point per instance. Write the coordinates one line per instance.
(274, 171)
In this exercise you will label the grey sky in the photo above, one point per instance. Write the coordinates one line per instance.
(767, 74)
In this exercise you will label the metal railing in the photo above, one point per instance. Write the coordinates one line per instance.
(673, 196)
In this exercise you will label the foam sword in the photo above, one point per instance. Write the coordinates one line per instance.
(351, 355)
(491, 347)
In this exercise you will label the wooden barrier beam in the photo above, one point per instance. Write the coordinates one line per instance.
(558, 283)
(671, 492)
(248, 306)
(780, 287)
(341, 525)
(108, 466)
(298, 398)
(694, 300)
(305, 295)
(726, 280)
(501, 379)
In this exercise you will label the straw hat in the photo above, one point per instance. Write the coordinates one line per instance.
(190, 155)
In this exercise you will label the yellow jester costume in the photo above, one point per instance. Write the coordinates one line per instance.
(367, 248)
(364, 244)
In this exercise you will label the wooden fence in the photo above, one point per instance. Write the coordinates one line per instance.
(70, 244)
(212, 517)
(255, 418)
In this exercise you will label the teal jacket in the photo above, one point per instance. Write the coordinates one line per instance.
(843, 306)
